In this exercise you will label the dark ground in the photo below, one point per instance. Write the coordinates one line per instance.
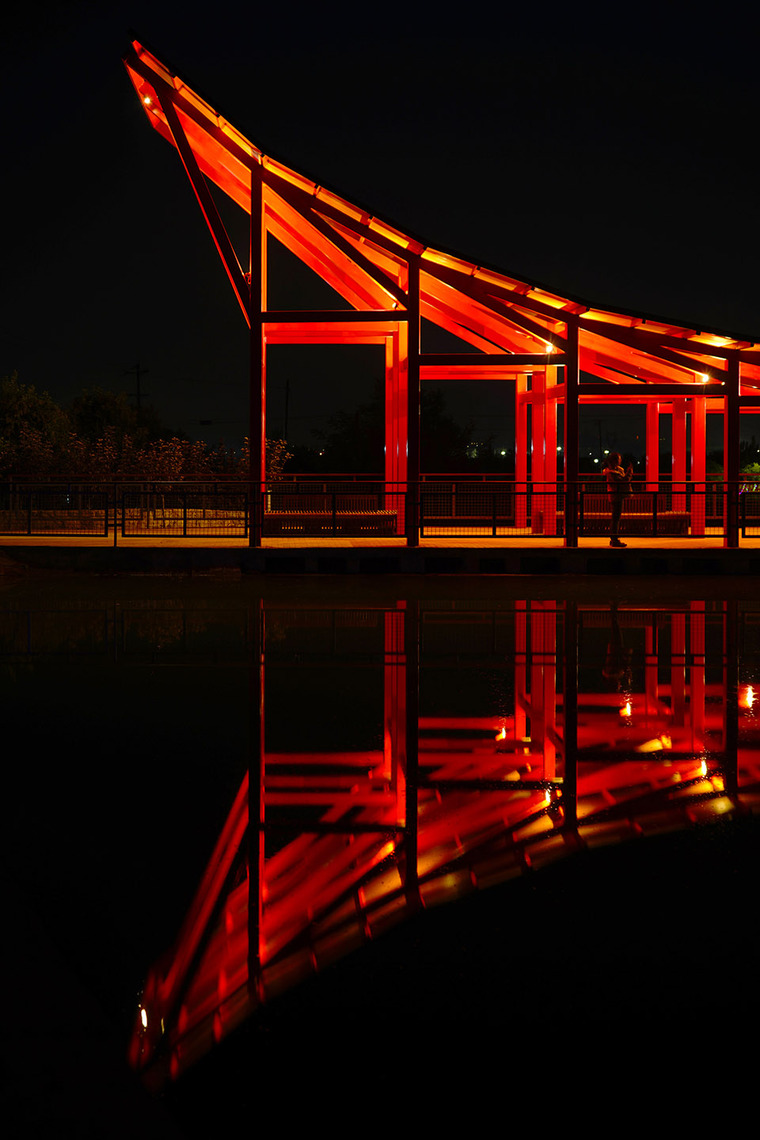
(620, 981)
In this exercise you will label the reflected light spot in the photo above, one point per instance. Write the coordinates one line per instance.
(656, 745)
(502, 733)
(144, 1017)
(746, 696)
(626, 709)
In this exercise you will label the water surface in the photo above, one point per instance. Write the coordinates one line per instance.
(401, 744)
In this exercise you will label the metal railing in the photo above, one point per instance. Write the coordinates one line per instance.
(368, 507)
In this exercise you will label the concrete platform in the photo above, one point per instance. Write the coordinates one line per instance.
(704, 557)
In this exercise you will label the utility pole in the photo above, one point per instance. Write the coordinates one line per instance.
(137, 372)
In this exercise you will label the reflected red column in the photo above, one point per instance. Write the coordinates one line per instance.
(731, 696)
(521, 669)
(411, 689)
(256, 778)
(543, 685)
(697, 675)
(570, 717)
(650, 667)
(394, 700)
(678, 668)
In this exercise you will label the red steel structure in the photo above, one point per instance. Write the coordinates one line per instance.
(557, 351)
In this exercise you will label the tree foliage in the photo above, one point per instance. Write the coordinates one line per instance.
(101, 435)
(355, 440)
(34, 431)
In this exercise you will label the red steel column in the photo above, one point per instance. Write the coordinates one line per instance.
(395, 427)
(698, 463)
(653, 446)
(731, 453)
(679, 455)
(413, 405)
(537, 450)
(572, 377)
(521, 452)
(257, 375)
(550, 450)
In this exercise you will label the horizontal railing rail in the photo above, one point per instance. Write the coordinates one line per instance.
(368, 506)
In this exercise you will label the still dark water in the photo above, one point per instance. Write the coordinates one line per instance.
(588, 751)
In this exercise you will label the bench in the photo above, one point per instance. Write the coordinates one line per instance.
(668, 522)
(638, 517)
(357, 523)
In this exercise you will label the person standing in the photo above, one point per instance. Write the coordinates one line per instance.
(618, 490)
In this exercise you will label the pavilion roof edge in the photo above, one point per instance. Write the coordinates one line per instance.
(529, 280)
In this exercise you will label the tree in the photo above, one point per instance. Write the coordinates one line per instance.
(443, 442)
(355, 441)
(96, 411)
(277, 455)
(34, 430)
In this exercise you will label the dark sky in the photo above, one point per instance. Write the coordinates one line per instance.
(606, 152)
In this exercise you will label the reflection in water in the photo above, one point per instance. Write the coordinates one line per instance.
(403, 753)
(494, 752)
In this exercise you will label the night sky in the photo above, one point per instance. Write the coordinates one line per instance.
(607, 153)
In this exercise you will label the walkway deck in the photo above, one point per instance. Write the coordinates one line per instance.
(445, 555)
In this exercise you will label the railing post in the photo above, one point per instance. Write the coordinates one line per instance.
(743, 514)
(579, 516)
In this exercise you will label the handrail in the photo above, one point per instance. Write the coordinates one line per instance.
(374, 508)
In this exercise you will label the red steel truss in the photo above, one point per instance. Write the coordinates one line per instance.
(390, 282)
(450, 804)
